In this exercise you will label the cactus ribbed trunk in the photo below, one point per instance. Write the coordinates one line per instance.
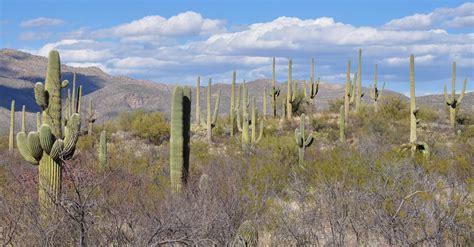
(359, 82)
(412, 101)
(103, 149)
(232, 105)
(348, 92)
(209, 114)
(12, 127)
(289, 109)
(274, 90)
(179, 138)
(264, 103)
(50, 176)
(342, 125)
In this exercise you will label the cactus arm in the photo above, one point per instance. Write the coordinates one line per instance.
(298, 138)
(446, 97)
(309, 140)
(34, 145)
(381, 91)
(24, 149)
(461, 97)
(216, 108)
(47, 139)
(40, 95)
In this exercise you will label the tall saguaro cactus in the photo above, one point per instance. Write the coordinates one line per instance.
(414, 145)
(359, 93)
(198, 101)
(248, 124)
(375, 94)
(50, 145)
(452, 102)
(289, 95)
(12, 127)
(348, 92)
(342, 125)
(232, 105)
(90, 119)
(102, 150)
(211, 118)
(313, 87)
(275, 92)
(179, 138)
(301, 140)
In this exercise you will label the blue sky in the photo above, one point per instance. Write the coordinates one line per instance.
(175, 41)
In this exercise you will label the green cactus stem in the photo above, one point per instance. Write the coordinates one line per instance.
(232, 105)
(51, 144)
(247, 235)
(414, 145)
(452, 102)
(211, 118)
(264, 109)
(313, 87)
(302, 140)
(275, 92)
(375, 94)
(289, 95)
(248, 124)
(342, 125)
(198, 101)
(90, 119)
(102, 150)
(348, 92)
(38, 121)
(359, 93)
(179, 138)
(12, 127)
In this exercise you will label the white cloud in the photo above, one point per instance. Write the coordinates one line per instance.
(461, 16)
(42, 22)
(27, 36)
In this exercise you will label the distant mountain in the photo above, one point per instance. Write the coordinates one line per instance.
(19, 71)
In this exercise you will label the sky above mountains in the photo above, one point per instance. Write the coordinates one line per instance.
(176, 41)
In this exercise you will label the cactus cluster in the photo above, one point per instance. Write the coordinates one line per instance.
(179, 137)
(359, 94)
(313, 86)
(50, 146)
(375, 94)
(247, 124)
(454, 102)
(211, 118)
(414, 145)
(302, 140)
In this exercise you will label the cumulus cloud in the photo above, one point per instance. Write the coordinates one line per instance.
(461, 16)
(179, 48)
(42, 22)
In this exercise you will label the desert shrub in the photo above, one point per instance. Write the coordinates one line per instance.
(335, 105)
(427, 115)
(394, 108)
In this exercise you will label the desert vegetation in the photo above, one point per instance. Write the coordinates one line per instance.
(387, 173)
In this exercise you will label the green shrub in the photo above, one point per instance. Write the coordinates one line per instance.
(335, 105)
(427, 114)
(394, 108)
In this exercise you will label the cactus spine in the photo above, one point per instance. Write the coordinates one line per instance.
(342, 125)
(275, 92)
(301, 140)
(375, 94)
(49, 146)
(359, 93)
(211, 120)
(454, 103)
(180, 135)
(12, 127)
(414, 145)
(232, 105)
(348, 92)
(102, 154)
(198, 101)
(313, 87)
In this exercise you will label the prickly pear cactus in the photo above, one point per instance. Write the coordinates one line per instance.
(179, 138)
(50, 145)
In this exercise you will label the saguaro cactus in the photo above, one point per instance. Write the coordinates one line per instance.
(49, 147)
(452, 102)
(290, 94)
(198, 101)
(359, 93)
(232, 105)
(247, 235)
(179, 138)
(301, 140)
(90, 119)
(313, 87)
(348, 92)
(264, 109)
(342, 125)
(211, 119)
(248, 124)
(12, 126)
(375, 94)
(414, 145)
(102, 150)
(275, 92)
